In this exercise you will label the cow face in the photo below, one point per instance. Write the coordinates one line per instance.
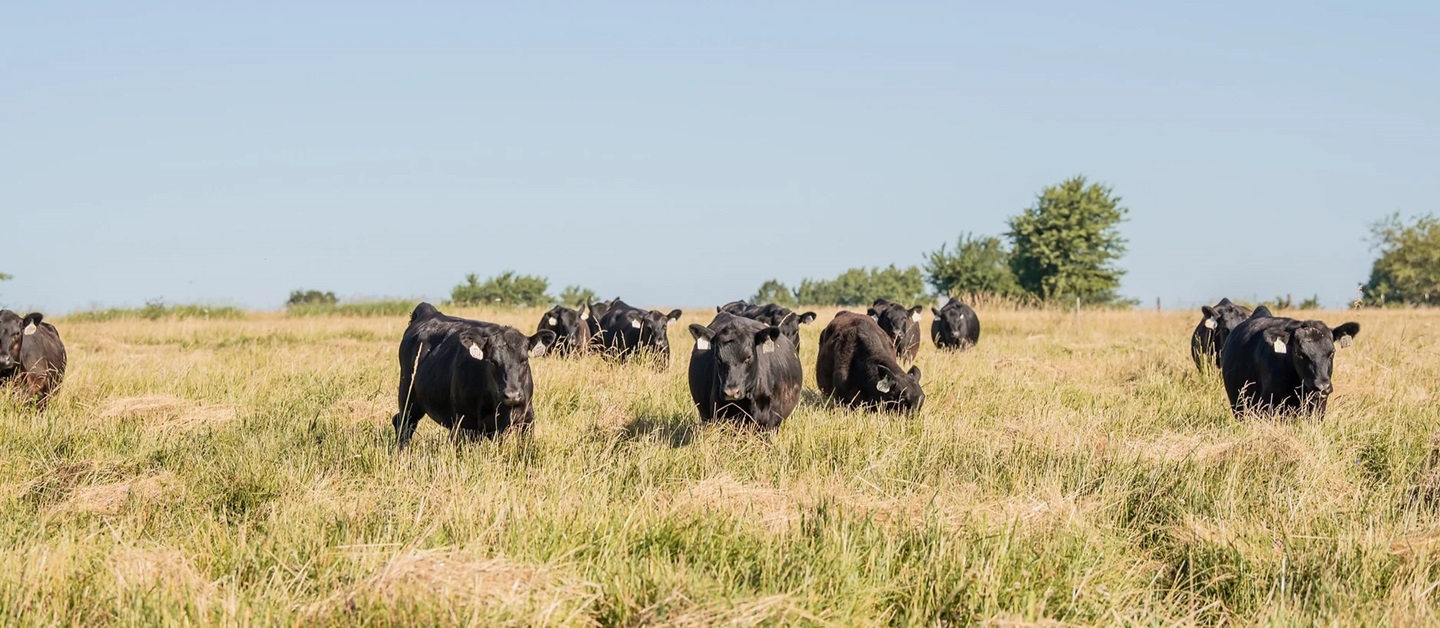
(12, 333)
(565, 323)
(737, 355)
(1310, 348)
(895, 319)
(652, 328)
(951, 323)
(1223, 318)
(504, 355)
(899, 391)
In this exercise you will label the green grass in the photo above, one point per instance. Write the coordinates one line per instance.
(244, 471)
(387, 307)
(157, 311)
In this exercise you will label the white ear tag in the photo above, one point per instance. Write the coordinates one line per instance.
(1345, 342)
(553, 321)
(915, 317)
(768, 347)
(476, 353)
(537, 350)
(702, 344)
(883, 385)
(1211, 324)
(635, 323)
(30, 330)
(1280, 346)
(585, 315)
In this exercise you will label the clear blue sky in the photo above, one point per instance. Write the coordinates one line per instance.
(680, 155)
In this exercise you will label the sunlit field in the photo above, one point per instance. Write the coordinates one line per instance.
(245, 471)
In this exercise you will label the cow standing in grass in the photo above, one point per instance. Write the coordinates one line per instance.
(469, 376)
(780, 316)
(1214, 328)
(31, 355)
(901, 324)
(857, 367)
(571, 329)
(1281, 365)
(744, 371)
(955, 326)
(627, 331)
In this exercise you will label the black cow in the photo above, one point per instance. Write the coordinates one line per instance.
(468, 375)
(571, 329)
(1213, 329)
(955, 326)
(745, 371)
(597, 312)
(1276, 364)
(857, 367)
(771, 314)
(901, 324)
(627, 330)
(31, 355)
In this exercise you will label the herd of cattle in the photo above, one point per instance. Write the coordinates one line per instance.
(474, 377)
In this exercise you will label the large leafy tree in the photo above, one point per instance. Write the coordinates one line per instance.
(1408, 269)
(861, 286)
(978, 265)
(1066, 244)
(772, 291)
(506, 289)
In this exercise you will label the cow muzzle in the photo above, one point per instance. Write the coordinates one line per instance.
(732, 394)
(514, 398)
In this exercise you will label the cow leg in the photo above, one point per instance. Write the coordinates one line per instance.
(405, 422)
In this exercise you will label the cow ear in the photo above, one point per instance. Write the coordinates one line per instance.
(585, 312)
(807, 318)
(873, 314)
(884, 384)
(635, 320)
(915, 313)
(674, 315)
(765, 339)
(1345, 334)
(1278, 339)
(935, 312)
(541, 342)
(703, 335)
(32, 323)
(1208, 311)
(915, 372)
(472, 343)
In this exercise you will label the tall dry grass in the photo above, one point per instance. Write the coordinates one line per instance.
(244, 471)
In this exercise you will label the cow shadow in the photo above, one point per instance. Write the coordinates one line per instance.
(676, 430)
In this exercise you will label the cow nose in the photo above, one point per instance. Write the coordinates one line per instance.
(732, 394)
(514, 397)
(1326, 389)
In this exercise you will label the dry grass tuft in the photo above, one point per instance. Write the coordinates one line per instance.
(165, 413)
(110, 498)
(158, 568)
(770, 509)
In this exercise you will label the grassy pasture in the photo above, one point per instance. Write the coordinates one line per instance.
(243, 471)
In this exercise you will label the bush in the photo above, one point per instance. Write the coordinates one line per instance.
(773, 291)
(979, 265)
(311, 297)
(576, 297)
(860, 286)
(506, 289)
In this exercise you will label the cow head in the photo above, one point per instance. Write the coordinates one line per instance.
(1222, 319)
(951, 322)
(651, 328)
(790, 325)
(737, 355)
(899, 391)
(734, 307)
(1309, 346)
(12, 333)
(895, 319)
(504, 355)
(565, 323)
